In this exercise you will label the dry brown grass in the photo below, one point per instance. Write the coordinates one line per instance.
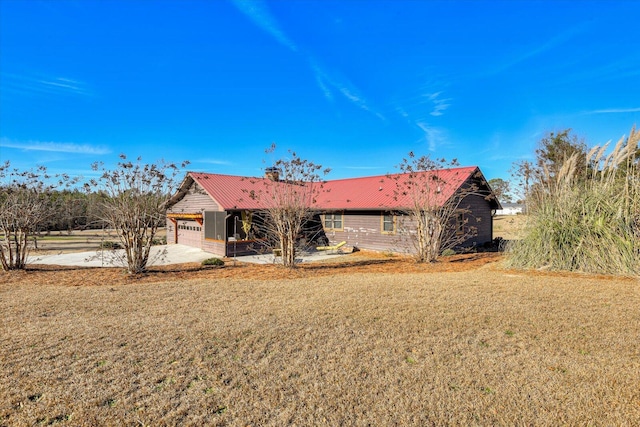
(378, 342)
(509, 227)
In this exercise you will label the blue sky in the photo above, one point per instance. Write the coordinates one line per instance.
(353, 85)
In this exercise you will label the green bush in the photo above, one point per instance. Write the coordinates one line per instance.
(159, 241)
(448, 252)
(109, 245)
(587, 222)
(213, 261)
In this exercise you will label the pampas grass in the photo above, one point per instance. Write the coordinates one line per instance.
(587, 224)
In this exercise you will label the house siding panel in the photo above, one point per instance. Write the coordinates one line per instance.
(195, 201)
(362, 229)
(217, 247)
(480, 218)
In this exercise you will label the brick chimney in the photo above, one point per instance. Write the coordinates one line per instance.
(272, 173)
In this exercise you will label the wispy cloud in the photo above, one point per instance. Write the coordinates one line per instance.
(433, 136)
(259, 13)
(439, 104)
(323, 80)
(334, 82)
(428, 101)
(557, 40)
(614, 111)
(423, 109)
(329, 83)
(58, 147)
(402, 112)
(214, 162)
(25, 83)
(621, 68)
(350, 93)
(363, 167)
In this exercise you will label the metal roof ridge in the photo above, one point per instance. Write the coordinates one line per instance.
(342, 179)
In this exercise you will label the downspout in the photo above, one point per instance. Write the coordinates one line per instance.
(226, 237)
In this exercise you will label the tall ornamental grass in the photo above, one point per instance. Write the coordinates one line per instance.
(586, 222)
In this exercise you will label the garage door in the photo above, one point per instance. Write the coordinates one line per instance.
(189, 233)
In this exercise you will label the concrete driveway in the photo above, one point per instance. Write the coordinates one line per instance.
(160, 255)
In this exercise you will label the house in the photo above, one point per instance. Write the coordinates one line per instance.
(510, 209)
(214, 212)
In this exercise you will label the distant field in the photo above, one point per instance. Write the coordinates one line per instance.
(381, 341)
(509, 227)
(75, 241)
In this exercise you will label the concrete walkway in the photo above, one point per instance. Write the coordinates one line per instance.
(160, 255)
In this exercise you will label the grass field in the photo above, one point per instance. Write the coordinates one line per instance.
(378, 342)
(509, 227)
(75, 241)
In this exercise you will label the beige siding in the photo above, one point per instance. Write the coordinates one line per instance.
(216, 247)
(362, 229)
(171, 229)
(189, 233)
(196, 200)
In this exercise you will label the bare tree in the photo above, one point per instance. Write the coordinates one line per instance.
(434, 217)
(287, 199)
(133, 204)
(25, 207)
(523, 175)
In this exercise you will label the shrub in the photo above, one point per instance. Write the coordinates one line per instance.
(109, 245)
(159, 241)
(499, 244)
(586, 222)
(448, 252)
(213, 261)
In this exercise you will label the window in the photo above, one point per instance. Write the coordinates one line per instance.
(214, 225)
(388, 223)
(333, 221)
(184, 226)
(460, 224)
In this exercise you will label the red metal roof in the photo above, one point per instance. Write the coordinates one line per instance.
(385, 191)
(230, 191)
(373, 192)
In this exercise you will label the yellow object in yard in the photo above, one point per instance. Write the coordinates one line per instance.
(331, 248)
